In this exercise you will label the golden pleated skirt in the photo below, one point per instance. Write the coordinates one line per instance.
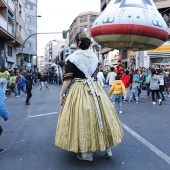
(78, 128)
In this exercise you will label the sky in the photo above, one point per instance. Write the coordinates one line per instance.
(58, 15)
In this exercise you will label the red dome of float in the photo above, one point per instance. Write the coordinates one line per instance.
(131, 25)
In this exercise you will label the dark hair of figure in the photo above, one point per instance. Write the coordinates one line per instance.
(83, 43)
(117, 77)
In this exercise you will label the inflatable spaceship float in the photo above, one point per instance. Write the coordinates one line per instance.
(130, 25)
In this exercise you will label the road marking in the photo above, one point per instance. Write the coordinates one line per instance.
(46, 114)
(162, 155)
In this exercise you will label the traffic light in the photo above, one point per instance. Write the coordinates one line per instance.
(64, 34)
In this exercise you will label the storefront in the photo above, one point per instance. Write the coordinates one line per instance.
(160, 56)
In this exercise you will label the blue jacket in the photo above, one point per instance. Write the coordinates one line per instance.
(147, 76)
(22, 81)
(3, 111)
(136, 76)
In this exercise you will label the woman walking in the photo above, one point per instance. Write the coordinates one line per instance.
(154, 86)
(88, 121)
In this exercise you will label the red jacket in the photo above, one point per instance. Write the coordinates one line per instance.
(126, 80)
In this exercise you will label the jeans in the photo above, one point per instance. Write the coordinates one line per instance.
(136, 96)
(21, 88)
(148, 89)
(3, 84)
(139, 90)
(118, 97)
(42, 85)
(29, 95)
(161, 89)
(157, 95)
(127, 93)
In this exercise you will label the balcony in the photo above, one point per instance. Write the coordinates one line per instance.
(11, 5)
(3, 23)
(8, 32)
(3, 3)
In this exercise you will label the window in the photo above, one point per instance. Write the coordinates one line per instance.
(28, 6)
(28, 19)
(19, 31)
(92, 18)
(139, 2)
(83, 27)
(20, 11)
(9, 51)
(131, 3)
(16, 4)
(83, 19)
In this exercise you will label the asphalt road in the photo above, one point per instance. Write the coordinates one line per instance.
(29, 136)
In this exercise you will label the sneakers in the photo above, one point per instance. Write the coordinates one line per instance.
(27, 103)
(137, 102)
(87, 158)
(154, 103)
(2, 150)
(17, 96)
(108, 153)
(129, 101)
(160, 102)
(124, 101)
(120, 112)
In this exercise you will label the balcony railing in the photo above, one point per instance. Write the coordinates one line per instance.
(11, 4)
(3, 23)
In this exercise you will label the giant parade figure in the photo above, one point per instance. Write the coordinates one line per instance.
(130, 25)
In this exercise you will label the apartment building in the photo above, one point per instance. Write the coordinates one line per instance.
(30, 46)
(12, 30)
(52, 50)
(82, 21)
(41, 63)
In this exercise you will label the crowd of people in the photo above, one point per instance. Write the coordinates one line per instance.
(127, 84)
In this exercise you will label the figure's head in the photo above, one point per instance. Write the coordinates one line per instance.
(2, 69)
(119, 62)
(117, 77)
(112, 69)
(153, 71)
(127, 72)
(135, 80)
(82, 40)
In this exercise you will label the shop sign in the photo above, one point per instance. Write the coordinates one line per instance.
(164, 48)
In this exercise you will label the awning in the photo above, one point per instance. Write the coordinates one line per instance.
(10, 16)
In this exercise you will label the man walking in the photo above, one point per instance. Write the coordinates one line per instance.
(111, 76)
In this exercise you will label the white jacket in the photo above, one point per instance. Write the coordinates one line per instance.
(161, 79)
(111, 78)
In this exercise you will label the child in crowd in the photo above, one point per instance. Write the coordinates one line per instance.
(154, 86)
(118, 90)
(12, 84)
(134, 91)
(3, 113)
